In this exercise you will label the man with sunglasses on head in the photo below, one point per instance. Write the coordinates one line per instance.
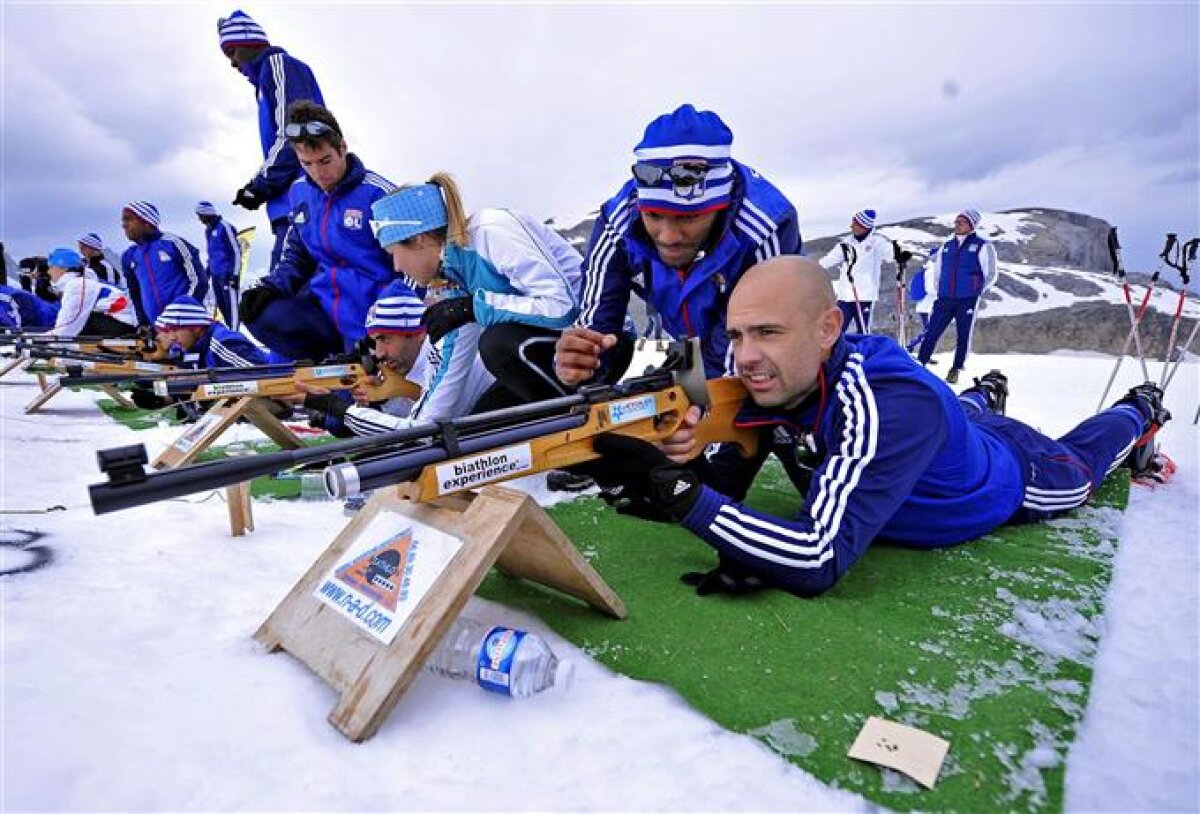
(314, 302)
(279, 80)
(679, 234)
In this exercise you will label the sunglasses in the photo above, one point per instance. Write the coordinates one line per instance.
(683, 174)
(300, 129)
(378, 226)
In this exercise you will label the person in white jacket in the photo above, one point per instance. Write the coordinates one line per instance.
(499, 286)
(400, 345)
(86, 305)
(859, 257)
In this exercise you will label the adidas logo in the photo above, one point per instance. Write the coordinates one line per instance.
(681, 486)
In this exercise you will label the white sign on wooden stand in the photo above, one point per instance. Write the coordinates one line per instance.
(498, 526)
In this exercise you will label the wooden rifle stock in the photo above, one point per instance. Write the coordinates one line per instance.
(375, 387)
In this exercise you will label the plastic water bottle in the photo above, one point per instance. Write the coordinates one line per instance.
(500, 659)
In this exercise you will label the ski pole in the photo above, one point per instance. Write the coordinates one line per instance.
(850, 254)
(1163, 256)
(901, 256)
(1186, 255)
(1183, 352)
(1114, 252)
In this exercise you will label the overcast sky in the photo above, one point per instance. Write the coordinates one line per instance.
(910, 109)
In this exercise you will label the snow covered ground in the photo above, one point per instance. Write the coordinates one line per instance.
(130, 681)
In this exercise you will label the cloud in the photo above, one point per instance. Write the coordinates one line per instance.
(916, 109)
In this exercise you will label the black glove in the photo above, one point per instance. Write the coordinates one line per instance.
(145, 399)
(247, 198)
(638, 479)
(445, 315)
(255, 301)
(328, 403)
(727, 578)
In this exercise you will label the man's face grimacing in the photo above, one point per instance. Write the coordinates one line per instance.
(325, 165)
(397, 351)
(782, 321)
(678, 237)
(962, 226)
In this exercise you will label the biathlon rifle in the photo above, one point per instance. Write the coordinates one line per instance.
(264, 381)
(72, 363)
(127, 346)
(446, 457)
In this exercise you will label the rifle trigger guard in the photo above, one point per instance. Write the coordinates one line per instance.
(449, 433)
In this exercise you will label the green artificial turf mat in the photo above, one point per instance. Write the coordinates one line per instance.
(989, 645)
(136, 419)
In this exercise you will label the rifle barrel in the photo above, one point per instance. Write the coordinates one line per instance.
(378, 461)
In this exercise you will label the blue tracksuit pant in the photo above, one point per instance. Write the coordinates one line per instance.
(850, 321)
(945, 309)
(298, 328)
(1061, 474)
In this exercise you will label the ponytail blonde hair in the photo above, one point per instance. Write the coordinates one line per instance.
(457, 221)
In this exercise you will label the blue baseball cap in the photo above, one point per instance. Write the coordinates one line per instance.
(64, 258)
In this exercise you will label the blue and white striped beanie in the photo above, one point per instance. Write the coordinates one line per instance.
(973, 217)
(146, 211)
(865, 218)
(680, 137)
(407, 212)
(207, 208)
(92, 241)
(239, 29)
(397, 311)
(184, 312)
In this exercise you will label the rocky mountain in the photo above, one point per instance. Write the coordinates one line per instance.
(1056, 290)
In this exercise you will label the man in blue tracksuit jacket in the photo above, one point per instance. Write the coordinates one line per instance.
(197, 342)
(224, 260)
(880, 448)
(314, 302)
(959, 273)
(20, 309)
(159, 267)
(679, 234)
(279, 81)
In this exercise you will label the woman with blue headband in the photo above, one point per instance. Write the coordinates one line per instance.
(497, 284)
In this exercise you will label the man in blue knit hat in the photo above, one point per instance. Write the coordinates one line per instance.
(101, 259)
(679, 234)
(859, 259)
(958, 274)
(224, 260)
(200, 343)
(279, 81)
(159, 266)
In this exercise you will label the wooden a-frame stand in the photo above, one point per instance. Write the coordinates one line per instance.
(201, 435)
(15, 363)
(50, 389)
(499, 526)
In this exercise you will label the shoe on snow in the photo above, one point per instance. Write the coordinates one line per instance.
(994, 387)
(1149, 466)
(1147, 398)
(952, 376)
(561, 480)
